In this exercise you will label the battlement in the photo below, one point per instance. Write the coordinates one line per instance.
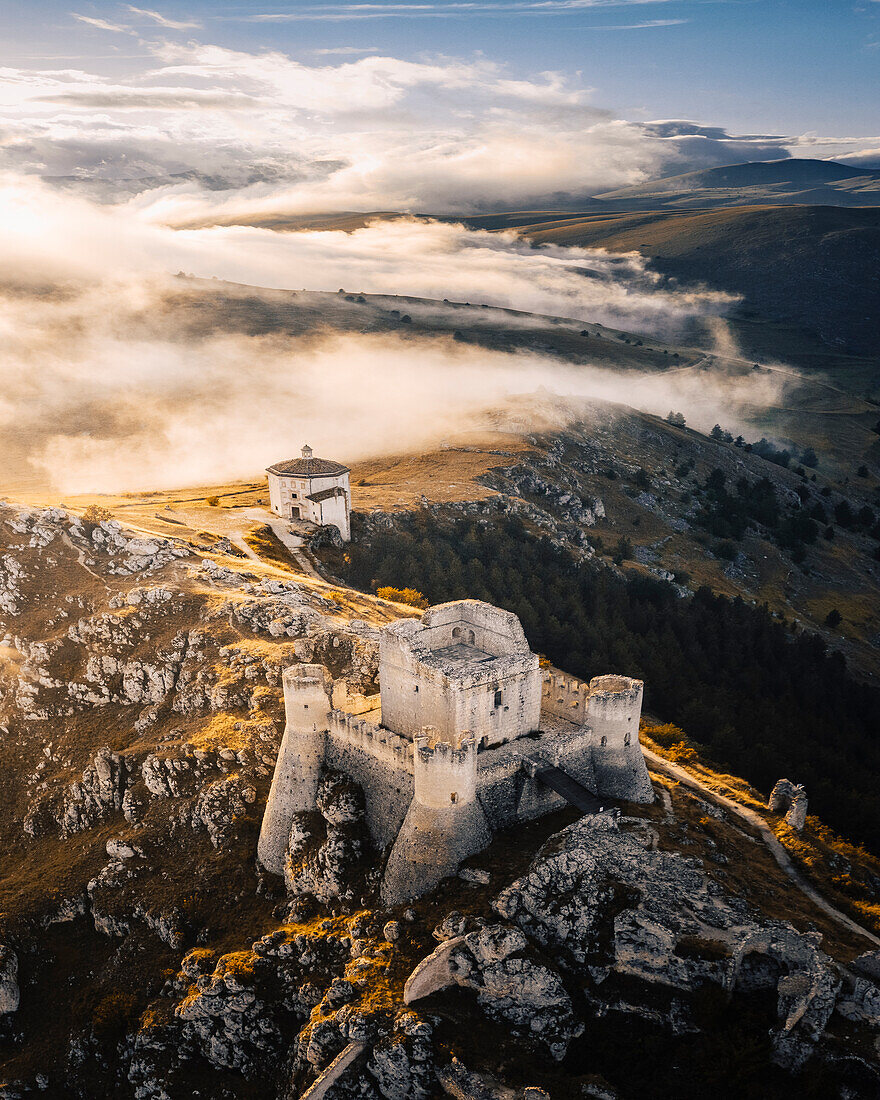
(379, 742)
(565, 697)
(445, 773)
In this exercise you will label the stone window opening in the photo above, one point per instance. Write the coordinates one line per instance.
(453, 797)
(498, 698)
(604, 741)
(456, 632)
(416, 689)
(472, 638)
(305, 706)
(627, 737)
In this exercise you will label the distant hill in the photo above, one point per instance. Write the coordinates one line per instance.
(775, 181)
(814, 266)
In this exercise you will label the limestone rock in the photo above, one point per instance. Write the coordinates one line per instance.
(9, 995)
(791, 798)
(221, 805)
(325, 848)
(510, 981)
(99, 792)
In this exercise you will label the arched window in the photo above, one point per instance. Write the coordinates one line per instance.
(471, 637)
(456, 632)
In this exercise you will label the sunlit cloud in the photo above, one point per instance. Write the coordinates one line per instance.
(111, 380)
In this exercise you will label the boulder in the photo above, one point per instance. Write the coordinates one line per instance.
(9, 995)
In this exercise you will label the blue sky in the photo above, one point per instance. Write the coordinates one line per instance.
(769, 65)
(424, 105)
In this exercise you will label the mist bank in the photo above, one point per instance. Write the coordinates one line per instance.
(48, 239)
(104, 386)
(89, 407)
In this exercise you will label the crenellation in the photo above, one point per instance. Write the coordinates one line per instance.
(354, 730)
(468, 722)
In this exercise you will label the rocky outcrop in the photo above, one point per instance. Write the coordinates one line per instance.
(326, 846)
(597, 898)
(778, 957)
(9, 995)
(221, 805)
(511, 983)
(99, 793)
(237, 1010)
(791, 799)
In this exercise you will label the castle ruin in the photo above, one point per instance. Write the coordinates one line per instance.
(464, 727)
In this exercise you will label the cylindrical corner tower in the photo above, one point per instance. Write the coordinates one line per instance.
(445, 822)
(614, 710)
(307, 702)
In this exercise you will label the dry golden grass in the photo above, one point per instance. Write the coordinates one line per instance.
(398, 482)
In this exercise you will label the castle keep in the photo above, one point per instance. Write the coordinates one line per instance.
(464, 727)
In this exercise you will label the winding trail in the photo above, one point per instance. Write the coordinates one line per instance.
(666, 767)
(81, 558)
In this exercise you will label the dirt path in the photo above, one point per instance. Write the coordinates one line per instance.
(294, 544)
(81, 558)
(666, 767)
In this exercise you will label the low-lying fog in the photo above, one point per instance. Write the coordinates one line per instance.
(92, 401)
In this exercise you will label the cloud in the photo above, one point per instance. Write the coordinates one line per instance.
(163, 21)
(338, 13)
(216, 134)
(861, 158)
(101, 24)
(152, 99)
(345, 51)
(46, 236)
(647, 23)
(358, 133)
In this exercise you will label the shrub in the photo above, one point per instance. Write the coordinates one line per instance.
(833, 618)
(212, 502)
(623, 551)
(95, 514)
(403, 595)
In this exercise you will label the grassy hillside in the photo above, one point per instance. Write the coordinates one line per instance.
(815, 266)
(776, 181)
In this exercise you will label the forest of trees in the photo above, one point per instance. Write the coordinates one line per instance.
(765, 703)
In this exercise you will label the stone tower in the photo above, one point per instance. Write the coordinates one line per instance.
(307, 703)
(614, 709)
(445, 822)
